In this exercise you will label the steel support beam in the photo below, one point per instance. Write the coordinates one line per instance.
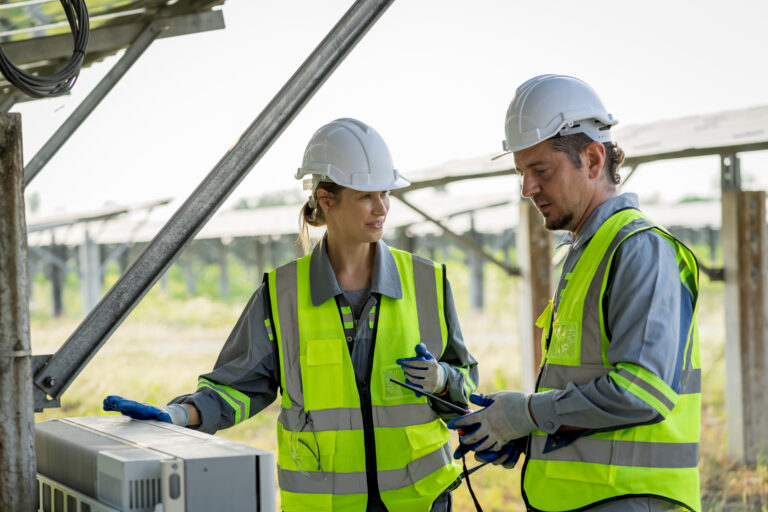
(84, 109)
(463, 240)
(59, 372)
(105, 40)
(17, 438)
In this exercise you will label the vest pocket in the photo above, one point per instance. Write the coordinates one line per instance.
(565, 347)
(572, 467)
(307, 452)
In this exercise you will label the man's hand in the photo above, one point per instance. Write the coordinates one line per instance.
(507, 456)
(423, 371)
(504, 417)
(173, 413)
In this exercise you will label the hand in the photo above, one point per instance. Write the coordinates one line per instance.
(173, 413)
(423, 371)
(504, 417)
(506, 457)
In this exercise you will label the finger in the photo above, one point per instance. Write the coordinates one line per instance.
(416, 364)
(413, 376)
(414, 384)
(485, 444)
(474, 446)
(475, 437)
(481, 400)
(487, 456)
(407, 360)
(421, 349)
(466, 422)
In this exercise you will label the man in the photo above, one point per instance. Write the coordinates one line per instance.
(614, 422)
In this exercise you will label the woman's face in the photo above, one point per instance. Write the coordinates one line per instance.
(354, 216)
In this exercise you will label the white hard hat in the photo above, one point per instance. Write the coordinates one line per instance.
(351, 154)
(548, 105)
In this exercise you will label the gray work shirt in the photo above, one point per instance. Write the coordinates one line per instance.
(643, 302)
(248, 361)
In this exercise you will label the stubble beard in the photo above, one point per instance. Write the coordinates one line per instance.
(558, 223)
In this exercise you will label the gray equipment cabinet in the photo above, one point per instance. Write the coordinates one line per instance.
(113, 463)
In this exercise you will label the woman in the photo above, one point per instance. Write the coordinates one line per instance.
(329, 330)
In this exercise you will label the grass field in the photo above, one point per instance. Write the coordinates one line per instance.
(167, 341)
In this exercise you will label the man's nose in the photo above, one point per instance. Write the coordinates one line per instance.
(530, 186)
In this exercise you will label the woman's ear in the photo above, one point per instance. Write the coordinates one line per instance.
(324, 200)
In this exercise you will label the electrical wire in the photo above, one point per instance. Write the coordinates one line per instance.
(63, 80)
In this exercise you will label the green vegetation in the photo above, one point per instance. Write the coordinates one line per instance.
(169, 339)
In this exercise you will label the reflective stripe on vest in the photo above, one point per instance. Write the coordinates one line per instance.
(321, 451)
(658, 459)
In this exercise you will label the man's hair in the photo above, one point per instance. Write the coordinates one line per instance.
(572, 145)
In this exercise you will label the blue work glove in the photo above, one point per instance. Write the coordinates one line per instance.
(506, 457)
(423, 371)
(173, 413)
(504, 417)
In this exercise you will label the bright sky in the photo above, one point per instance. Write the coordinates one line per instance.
(434, 77)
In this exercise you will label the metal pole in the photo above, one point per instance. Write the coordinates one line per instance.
(8, 101)
(91, 101)
(463, 240)
(59, 372)
(17, 437)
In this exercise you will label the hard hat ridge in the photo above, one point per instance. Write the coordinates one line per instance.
(352, 154)
(549, 105)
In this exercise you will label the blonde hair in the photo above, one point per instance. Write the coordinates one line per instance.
(312, 215)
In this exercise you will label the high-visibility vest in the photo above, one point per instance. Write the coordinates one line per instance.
(326, 422)
(655, 460)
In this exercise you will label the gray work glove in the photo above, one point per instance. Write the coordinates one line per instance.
(504, 417)
(423, 371)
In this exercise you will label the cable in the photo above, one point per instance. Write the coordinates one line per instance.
(466, 474)
(63, 80)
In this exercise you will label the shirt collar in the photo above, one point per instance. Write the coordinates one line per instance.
(599, 215)
(322, 280)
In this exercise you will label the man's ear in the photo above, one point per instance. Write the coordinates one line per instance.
(594, 158)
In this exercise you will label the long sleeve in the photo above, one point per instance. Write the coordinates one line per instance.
(648, 315)
(244, 379)
(460, 366)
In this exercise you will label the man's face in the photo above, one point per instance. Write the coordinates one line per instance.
(558, 189)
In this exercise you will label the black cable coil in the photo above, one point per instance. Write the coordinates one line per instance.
(62, 81)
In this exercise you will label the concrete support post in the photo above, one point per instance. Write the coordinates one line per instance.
(534, 253)
(58, 275)
(90, 273)
(224, 287)
(745, 255)
(476, 267)
(17, 437)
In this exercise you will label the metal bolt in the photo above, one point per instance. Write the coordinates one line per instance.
(49, 382)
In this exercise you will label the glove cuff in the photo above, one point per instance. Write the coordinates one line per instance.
(178, 413)
(442, 380)
(518, 414)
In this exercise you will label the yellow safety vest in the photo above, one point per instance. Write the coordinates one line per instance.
(656, 460)
(326, 422)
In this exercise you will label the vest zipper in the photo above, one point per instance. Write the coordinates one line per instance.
(364, 390)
